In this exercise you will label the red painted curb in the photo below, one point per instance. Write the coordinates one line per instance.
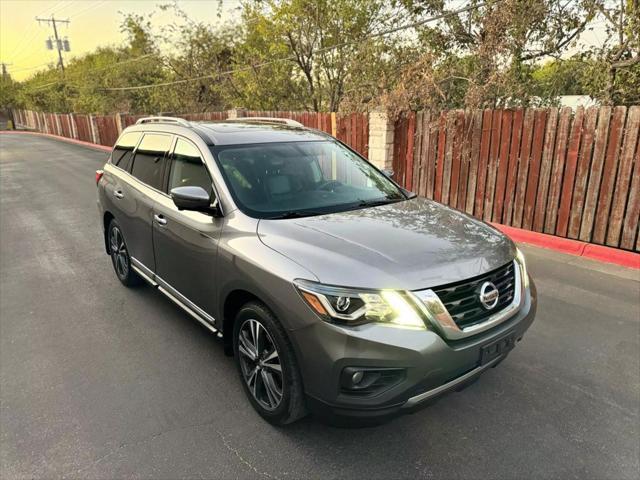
(612, 255)
(572, 247)
(58, 137)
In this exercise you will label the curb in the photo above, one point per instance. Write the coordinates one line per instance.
(572, 247)
(58, 137)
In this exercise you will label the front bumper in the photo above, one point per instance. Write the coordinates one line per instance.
(432, 365)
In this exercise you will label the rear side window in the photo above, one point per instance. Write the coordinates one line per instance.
(187, 168)
(123, 151)
(148, 162)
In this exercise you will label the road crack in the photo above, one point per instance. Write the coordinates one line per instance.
(235, 451)
(139, 442)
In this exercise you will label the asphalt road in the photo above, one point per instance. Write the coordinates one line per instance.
(100, 381)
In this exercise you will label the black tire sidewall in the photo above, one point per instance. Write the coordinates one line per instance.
(259, 312)
(130, 279)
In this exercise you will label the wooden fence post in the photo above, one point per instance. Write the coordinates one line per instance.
(58, 127)
(74, 126)
(118, 117)
(95, 134)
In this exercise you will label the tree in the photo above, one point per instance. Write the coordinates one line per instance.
(8, 92)
(323, 39)
(484, 56)
(202, 51)
(327, 55)
(571, 76)
(83, 88)
(616, 63)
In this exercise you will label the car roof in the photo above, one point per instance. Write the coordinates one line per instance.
(236, 132)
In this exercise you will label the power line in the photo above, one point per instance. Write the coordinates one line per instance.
(57, 8)
(90, 7)
(41, 87)
(31, 68)
(106, 67)
(290, 58)
(24, 43)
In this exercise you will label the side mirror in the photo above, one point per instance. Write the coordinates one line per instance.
(194, 198)
(409, 193)
(388, 172)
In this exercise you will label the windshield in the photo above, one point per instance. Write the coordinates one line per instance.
(286, 180)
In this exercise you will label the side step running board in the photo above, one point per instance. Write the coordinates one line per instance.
(176, 300)
(188, 310)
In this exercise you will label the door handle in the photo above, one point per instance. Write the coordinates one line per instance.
(160, 219)
(118, 194)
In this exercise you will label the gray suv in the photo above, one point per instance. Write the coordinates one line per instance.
(336, 290)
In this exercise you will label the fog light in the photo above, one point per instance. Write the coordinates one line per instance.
(357, 377)
(369, 380)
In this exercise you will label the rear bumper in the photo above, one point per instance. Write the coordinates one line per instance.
(433, 367)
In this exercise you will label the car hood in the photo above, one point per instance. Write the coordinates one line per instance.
(409, 245)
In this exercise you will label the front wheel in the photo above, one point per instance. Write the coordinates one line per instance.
(267, 365)
(120, 256)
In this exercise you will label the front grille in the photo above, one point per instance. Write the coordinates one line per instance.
(462, 299)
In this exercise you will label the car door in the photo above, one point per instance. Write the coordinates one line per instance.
(186, 242)
(117, 175)
(140, 194)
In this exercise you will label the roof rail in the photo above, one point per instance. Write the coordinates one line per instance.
(282, 121)
(178, 121)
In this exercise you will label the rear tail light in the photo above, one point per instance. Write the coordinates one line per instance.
(99, 174)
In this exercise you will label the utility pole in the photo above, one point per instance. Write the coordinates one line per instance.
(59, 44)
(5, 74)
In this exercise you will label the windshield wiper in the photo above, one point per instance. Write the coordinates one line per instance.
(294, 214)
(378, 202)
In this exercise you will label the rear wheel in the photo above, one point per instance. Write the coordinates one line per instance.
(120, 256)
(267, 365)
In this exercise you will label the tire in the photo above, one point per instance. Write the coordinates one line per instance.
(120, 256)
(277, 396)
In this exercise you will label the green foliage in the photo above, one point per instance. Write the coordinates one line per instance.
(338, 54)
(326, 43)
(8, 92)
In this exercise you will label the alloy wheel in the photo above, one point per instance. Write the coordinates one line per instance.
(119, 253)
(260, 363)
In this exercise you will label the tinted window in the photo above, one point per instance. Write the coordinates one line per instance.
(123, 151)
(187, 168)
(149, 159)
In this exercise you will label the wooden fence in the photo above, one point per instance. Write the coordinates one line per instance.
(353, 129)
(574, 175)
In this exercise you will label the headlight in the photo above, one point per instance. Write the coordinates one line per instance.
(523, 268)
(355, 307)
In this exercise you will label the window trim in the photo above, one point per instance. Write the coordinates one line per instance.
(133, 152)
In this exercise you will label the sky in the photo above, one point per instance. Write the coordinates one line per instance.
(93, 23)
(96, 23)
